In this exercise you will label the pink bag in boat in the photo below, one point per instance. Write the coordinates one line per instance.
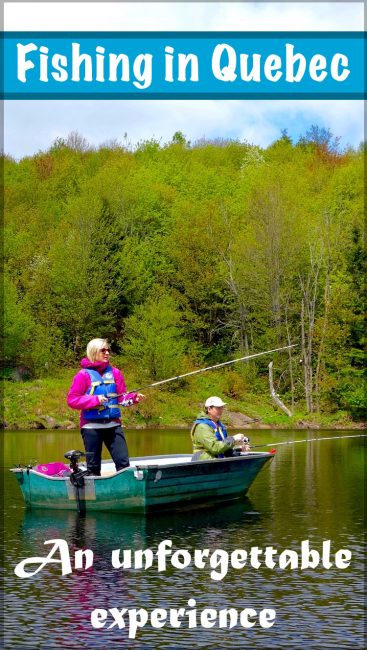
(53, 469)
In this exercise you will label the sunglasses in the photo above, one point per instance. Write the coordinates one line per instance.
(105, 350)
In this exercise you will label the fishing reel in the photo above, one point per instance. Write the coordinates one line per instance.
(77, 473)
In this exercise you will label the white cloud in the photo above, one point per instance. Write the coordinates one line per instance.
(259, 122)
(182, 16)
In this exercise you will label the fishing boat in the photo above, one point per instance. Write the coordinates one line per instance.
(149, 483)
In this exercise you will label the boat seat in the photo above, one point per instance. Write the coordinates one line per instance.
(108, 469)
(159, 461)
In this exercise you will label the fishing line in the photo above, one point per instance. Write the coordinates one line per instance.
(293, 442)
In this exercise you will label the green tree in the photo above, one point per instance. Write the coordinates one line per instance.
(154, 338)
(18, 325)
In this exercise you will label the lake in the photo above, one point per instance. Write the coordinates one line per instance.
(310, 491)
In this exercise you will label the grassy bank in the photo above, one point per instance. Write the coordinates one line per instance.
(41, 403)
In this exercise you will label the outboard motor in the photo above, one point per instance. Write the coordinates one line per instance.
(77, 474)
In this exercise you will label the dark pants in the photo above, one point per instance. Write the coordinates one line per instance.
(115, 442)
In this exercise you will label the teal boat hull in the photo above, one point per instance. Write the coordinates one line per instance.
(150, 483)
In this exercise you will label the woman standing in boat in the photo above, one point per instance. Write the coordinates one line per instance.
(97, 391)
(209, 435)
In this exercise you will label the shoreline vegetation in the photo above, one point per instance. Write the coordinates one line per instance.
(186, 255)
(41, 404)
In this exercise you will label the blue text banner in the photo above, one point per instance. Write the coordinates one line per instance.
(184, 65)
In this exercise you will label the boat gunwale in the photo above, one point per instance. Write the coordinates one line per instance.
(132, 468)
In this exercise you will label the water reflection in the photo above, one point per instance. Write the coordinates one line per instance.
(97, 530)
(310, 492)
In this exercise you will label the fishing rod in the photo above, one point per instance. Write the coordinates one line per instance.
(293, 442)
(218, 365)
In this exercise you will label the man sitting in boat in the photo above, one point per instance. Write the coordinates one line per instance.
(209, 435)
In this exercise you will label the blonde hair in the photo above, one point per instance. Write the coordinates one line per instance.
(94, 346)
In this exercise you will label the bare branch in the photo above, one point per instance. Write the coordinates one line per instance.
(273, 393)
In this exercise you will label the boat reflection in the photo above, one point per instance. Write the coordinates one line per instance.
(98, 530)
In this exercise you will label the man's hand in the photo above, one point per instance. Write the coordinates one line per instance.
(245, 447)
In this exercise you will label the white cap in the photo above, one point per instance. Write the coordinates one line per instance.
(214, 401)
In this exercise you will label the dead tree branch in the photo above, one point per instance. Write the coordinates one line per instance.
(275, 397)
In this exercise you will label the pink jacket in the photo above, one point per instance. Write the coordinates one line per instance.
(77, 398)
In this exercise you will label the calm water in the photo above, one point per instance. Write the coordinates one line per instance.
(311, 491)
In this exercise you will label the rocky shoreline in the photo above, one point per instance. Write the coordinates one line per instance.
(234, 420)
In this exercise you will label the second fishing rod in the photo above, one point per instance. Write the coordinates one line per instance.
(218, 365)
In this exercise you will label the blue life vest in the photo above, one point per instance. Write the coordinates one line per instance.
(220, 429)
(103, 385)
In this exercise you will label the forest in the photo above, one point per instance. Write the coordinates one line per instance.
(190, 254)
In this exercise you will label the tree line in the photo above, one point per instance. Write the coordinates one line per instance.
(183, 254)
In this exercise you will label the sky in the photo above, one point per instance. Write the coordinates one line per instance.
(32, 126)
